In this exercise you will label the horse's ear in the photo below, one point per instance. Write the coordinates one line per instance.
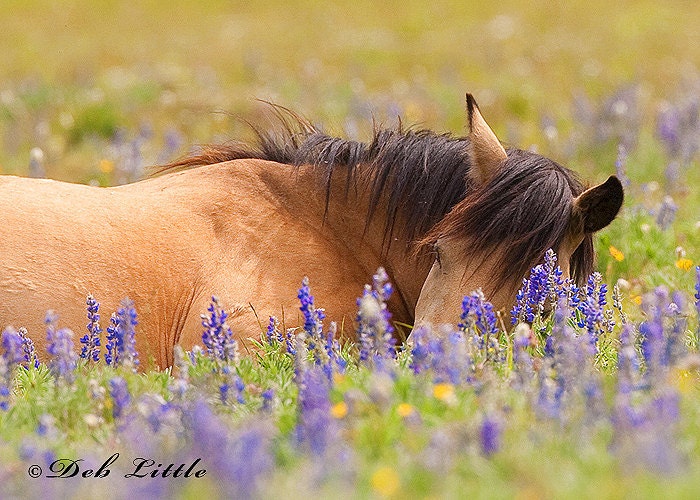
(596, 207)
(485, 150)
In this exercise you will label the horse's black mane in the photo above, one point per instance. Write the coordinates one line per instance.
(422, 177)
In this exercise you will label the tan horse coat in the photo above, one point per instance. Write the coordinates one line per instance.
(247, 231)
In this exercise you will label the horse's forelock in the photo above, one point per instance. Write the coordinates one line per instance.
(520, 213)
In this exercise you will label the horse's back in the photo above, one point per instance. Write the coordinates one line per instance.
(61, 241)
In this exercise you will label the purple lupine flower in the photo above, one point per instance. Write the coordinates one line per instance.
(30, 356)
(63, 359)
(555, 281)
(652, 332)
(477, 313)
(91, 340)
(51, 322)
(591, 307)
(662, 333)
(374, 329)
(545, 283)
(11, 357)
(668, 129)
(520, 309)
(290, 342)
(241, 459)
(667, 212)
(591, 317)
(646, 409)
(325, 348)
(12, 344)
(628, 365)
(568, 371)
(46, 427)
(678, 127)
(316, 425)
(5, 386)
(644, 432)
(121, 337)
(218, 337)
(313, 318)
(447, 356)
(490, 435)
(111, 354)
(675, 336)
(121, 398)
(268, 397)
(274, 336)
(171, 143)
(232, 388)
(126, 344)
(478, 322)
(420, 349)
(156, 411)
(454, 360)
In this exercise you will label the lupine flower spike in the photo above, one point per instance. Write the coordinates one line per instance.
(374, 328)
(121, 397)
(30, 357)
(217, 336)
(63, 359)
(121, 337)
(13, 355)
(324, 347)
(91, 340)
(544, 287)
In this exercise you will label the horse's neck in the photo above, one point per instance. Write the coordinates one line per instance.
(347, 217)
(301, 195)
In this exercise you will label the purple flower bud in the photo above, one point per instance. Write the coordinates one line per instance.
(121, 397)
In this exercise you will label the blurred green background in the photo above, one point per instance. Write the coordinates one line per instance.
(77, 72)
(96, 91)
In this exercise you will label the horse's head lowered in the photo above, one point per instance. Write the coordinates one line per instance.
(518, 204)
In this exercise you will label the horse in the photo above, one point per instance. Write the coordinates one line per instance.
(444, 215)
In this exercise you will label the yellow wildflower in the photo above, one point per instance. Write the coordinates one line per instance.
(444, 392)
(637, 299)
(339, 410)
(684, 264)
(616, 254)
(106, 166)
(405, 410)
(385, 481)
(685, 380)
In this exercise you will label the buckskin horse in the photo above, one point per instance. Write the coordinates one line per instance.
(444, 215)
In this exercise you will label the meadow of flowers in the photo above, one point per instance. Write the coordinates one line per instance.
(579, 392)
(579, 401)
